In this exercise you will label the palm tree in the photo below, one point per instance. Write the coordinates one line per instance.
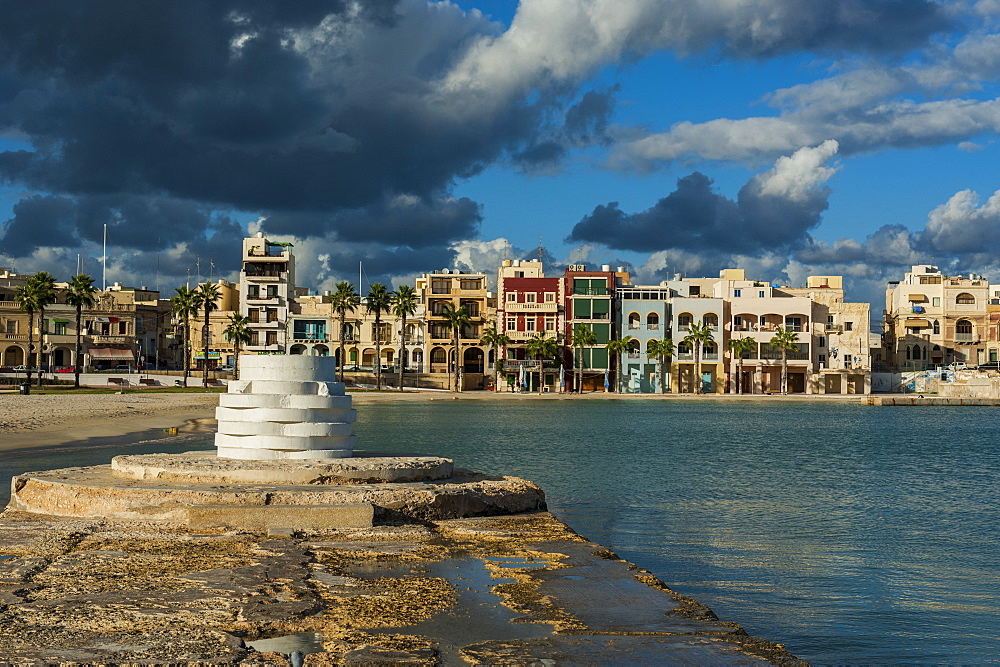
(495, 341)
(404, 304)
(659, 350)
(184, 305)
(542, 348)
(697, 337)
(80, 295)
(616, 348)
(345, 298)
(457, 318)
(377, 301)
(784, 340)
(582, 336)
(239, 334)
(37, 292)
(739, 347)
(207, 297)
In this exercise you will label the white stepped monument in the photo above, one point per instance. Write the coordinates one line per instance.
(285, 407)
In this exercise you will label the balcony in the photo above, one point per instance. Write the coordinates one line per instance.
(264, 300)
(834, 328)
(521, 336)
(966, 337)
(531, 307)
(312, 338)
(8, 336)
(60, 339)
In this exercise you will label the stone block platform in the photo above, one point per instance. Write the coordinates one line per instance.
(198, 490)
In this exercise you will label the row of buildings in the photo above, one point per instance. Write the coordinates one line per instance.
(930, 320)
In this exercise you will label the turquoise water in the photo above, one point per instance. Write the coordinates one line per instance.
(851, 534)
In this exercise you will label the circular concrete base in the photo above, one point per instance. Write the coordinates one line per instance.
(200, 491)
(207, 468)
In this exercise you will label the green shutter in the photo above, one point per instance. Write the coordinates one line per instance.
(602, 332)
(581, 309)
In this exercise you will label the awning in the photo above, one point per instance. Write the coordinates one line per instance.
(917, 297)
(61, 321)
(111, 353)
(917, 322)
(201, 355)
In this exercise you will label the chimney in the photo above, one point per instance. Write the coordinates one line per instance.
(605, 267)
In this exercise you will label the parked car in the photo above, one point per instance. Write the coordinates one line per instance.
(989, 366)
(23, 369)
(65, 369)
(351, 367)
(6, 369)
(957, 366)
(228, 368)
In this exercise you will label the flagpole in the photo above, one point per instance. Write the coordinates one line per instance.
(104, 261)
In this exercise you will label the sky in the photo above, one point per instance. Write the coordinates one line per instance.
(786, 137)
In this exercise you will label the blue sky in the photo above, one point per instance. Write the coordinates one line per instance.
(788, 137)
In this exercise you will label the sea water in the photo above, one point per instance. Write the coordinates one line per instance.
(852, 534)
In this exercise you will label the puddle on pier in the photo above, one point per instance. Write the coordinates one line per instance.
(307, 642)
(477, 615)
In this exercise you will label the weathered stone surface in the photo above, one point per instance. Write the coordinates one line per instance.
(119, 592)
(305, 518)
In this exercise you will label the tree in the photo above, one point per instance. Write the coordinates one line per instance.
(494, 340)
(80, 295)
(739, 347)
(207, 297)
(581, 337)
(698, 336)
(457, 319)
(345, 298)
(659, 350)
(542, 348)
(404, 304)
(238, 333)
(37, 292)
(616, 348)
(184, 305)
(784, 340)
(378, 301)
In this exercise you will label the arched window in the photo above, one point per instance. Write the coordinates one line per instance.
(633, 320)
(937, 327)
(908, 352)
(684, 347)
(653, 321)
(685, 319)
(709, 349)
(965, 299)
(963, 327)
(438, 356)
(711, 320)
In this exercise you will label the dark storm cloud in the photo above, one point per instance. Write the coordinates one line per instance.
(695, 217)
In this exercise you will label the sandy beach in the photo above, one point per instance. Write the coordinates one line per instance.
(43, 420)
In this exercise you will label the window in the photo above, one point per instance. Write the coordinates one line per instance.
(822, 341)
(272, 291)
(684, 319)
(829, 319)
(963, 327)
(471, 308)
(550, 297)
(822, 359)
(738, 321)
(694, 290)
(122, 328)
(440, 287)
(760, 294)
(737, 293)
(529, 324)
(255, 338)
(936, 301)
(937, 327)
(710, 320)
(550, 324)
(11, 327)
(511, 324)
(633, 320)
(530, 297)
(511, 297)
(272, 338)
(254, 315)
(470, 283)
(653, 321)
(253, 291)
(437, 307)
(348, 332)
(848, 326)
(438, 356)
(60, 328)
(272, 314)
(965, 299)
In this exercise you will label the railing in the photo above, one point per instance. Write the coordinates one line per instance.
(111, 339)
(834, 328)
(966, 337)
(517, 364)
(513, 307)
(653, 327)
(297, 338)
(23, 337)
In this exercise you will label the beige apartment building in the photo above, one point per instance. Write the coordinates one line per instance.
(933, 320)
(465, 290)
(220, 351)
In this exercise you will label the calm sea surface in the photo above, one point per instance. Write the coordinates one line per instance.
(848, 533)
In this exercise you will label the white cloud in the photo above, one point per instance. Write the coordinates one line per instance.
(795, 177)
(960, 225)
